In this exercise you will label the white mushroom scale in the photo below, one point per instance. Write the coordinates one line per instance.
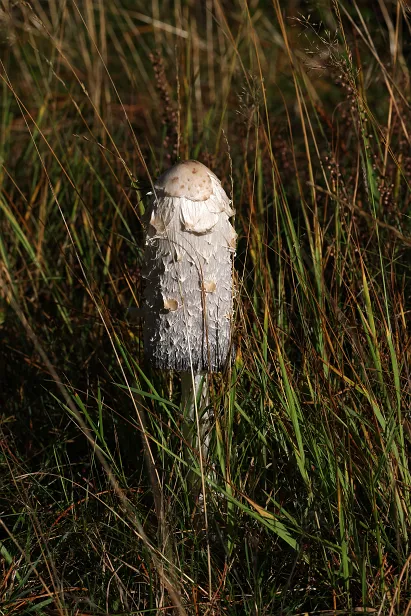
(188, 271)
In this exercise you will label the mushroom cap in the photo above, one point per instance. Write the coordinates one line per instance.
(189, 179)
(188, 295)
(191, 193)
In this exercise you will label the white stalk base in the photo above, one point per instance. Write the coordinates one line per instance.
(195, 399)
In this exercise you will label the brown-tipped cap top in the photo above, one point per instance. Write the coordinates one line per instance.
(189, 179)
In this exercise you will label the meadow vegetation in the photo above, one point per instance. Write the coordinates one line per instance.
(302, 108)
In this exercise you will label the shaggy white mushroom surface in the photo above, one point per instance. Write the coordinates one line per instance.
(188, 297)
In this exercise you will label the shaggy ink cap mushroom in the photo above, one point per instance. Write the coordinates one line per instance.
(188, 271)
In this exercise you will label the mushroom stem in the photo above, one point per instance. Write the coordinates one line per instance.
(194, 401)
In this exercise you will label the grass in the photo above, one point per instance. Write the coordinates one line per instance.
(302, 109)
